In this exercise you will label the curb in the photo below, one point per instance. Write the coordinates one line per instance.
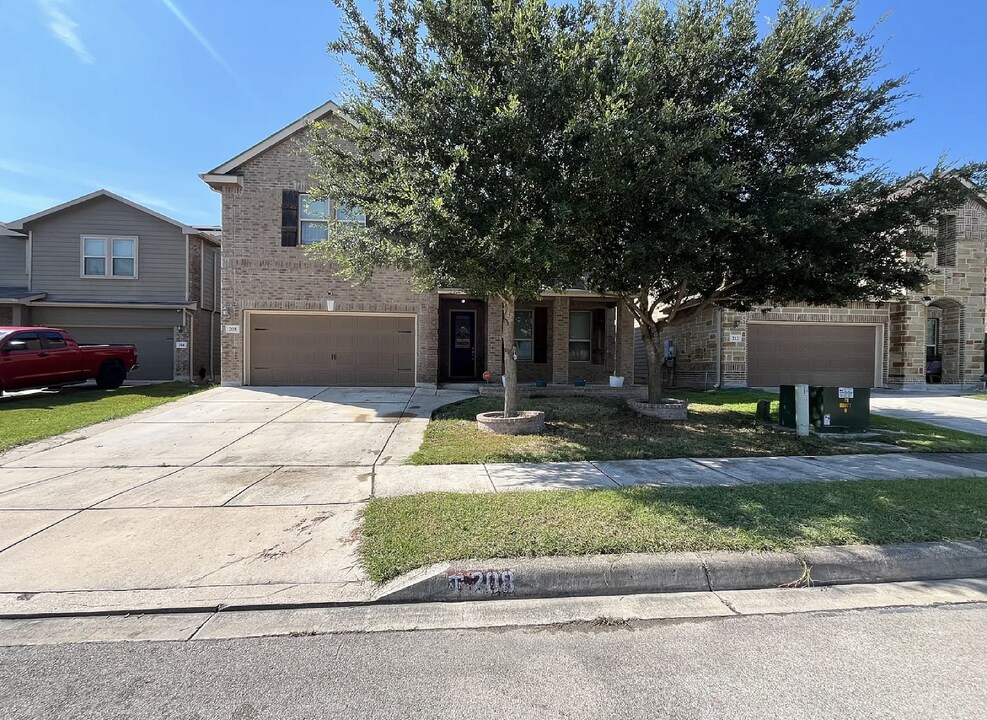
(686, 572)
(604, 575)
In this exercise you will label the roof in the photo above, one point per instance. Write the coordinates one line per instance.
(19, 294)
(186, 229)
(221, 175)
(7, 232)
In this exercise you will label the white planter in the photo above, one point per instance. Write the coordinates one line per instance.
(616, 381)
(503, 380)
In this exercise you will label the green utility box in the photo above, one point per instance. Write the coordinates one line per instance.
(831, 409)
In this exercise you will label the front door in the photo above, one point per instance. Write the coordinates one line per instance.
(462, 344)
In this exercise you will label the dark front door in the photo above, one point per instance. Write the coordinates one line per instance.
(462, 344)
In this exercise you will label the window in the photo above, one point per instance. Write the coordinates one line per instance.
(946, 241)
(31, 341)
(53, 340)
(109, 257)
(580, 336)
(931, 338)
(314, 214)
(524, 334)
(313, 218)
(347, 214)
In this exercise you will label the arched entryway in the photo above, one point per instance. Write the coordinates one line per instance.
(943, 341)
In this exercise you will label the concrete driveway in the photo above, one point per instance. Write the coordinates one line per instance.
(952, 412)
(234, 495)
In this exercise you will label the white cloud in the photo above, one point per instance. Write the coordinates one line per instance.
(64, 28)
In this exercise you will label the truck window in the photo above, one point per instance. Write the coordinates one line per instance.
(53, 340)
(31, 341)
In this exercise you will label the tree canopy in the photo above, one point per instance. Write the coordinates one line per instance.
(673, 153)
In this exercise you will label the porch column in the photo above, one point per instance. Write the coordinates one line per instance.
(560, 340)
(495, 348)
(906, 351)
(625, 344)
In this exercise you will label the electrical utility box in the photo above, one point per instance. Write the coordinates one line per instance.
(831, 409)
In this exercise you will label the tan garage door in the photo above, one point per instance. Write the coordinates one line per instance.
(817, 354)
(356, 350)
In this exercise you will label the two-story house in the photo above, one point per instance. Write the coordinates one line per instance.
(289, 320)
(109, 270)
(935, 335)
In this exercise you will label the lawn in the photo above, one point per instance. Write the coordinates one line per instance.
(403, 533)
(26, 418)
(721, 424)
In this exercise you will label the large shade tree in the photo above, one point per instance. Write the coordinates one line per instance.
(455, 149)
(715, 163)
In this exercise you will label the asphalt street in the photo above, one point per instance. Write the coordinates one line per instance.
(889, 663)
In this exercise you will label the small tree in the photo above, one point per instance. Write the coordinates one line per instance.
(717, 165)
(454, 152)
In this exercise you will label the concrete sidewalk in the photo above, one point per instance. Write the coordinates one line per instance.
(684, 472)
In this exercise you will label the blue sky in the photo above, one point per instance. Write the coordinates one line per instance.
(139, 96)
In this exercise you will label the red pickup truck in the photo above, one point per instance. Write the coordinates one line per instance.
(36, 357)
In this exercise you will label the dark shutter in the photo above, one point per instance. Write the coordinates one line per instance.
(289, 218)
(599, 336)
(541, 335)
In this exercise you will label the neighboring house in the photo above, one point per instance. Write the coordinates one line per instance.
(111, 271)
(936, 334)
(289, 320)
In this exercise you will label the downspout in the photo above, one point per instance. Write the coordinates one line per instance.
(719, 346)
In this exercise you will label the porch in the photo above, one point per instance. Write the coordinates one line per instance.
(560, 339)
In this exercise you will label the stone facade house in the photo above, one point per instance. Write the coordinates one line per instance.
(935, 336)
(290, 320)
(109, 270)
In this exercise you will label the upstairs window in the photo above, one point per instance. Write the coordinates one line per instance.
(946, 241)
(313, 218)
(109, 257)
(314, 215)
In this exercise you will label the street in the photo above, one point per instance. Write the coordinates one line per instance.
(882, 663)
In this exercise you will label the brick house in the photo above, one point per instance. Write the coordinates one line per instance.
(290, 320)
(936, 335)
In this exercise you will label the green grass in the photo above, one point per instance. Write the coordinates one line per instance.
(403, 533)
(34, 417)
(721, 424)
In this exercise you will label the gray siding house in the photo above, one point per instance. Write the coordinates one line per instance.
(109, 270)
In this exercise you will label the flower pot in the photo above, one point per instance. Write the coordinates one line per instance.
(616, 381)
(579, 383)
(541, 383)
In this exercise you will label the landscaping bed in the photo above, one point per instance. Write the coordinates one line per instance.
(720, 424)
(404, 533)
(26, 418)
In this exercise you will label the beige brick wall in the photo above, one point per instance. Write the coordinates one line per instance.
(259, 274)
(956, 295)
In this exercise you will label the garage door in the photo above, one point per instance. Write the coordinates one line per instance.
(364, 350)
(155, 348)
(817, 354)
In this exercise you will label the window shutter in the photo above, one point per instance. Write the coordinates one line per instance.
(289, 218)
(599, 336)
(541, 335)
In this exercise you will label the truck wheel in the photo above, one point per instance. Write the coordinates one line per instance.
(111, 376)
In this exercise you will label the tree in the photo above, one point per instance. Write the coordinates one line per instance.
(454, 152)
(714, 164)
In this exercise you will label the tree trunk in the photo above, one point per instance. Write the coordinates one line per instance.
(510, 357)
(651, 336)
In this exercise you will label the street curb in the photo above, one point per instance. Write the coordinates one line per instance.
(685, 572)
(603, 575)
